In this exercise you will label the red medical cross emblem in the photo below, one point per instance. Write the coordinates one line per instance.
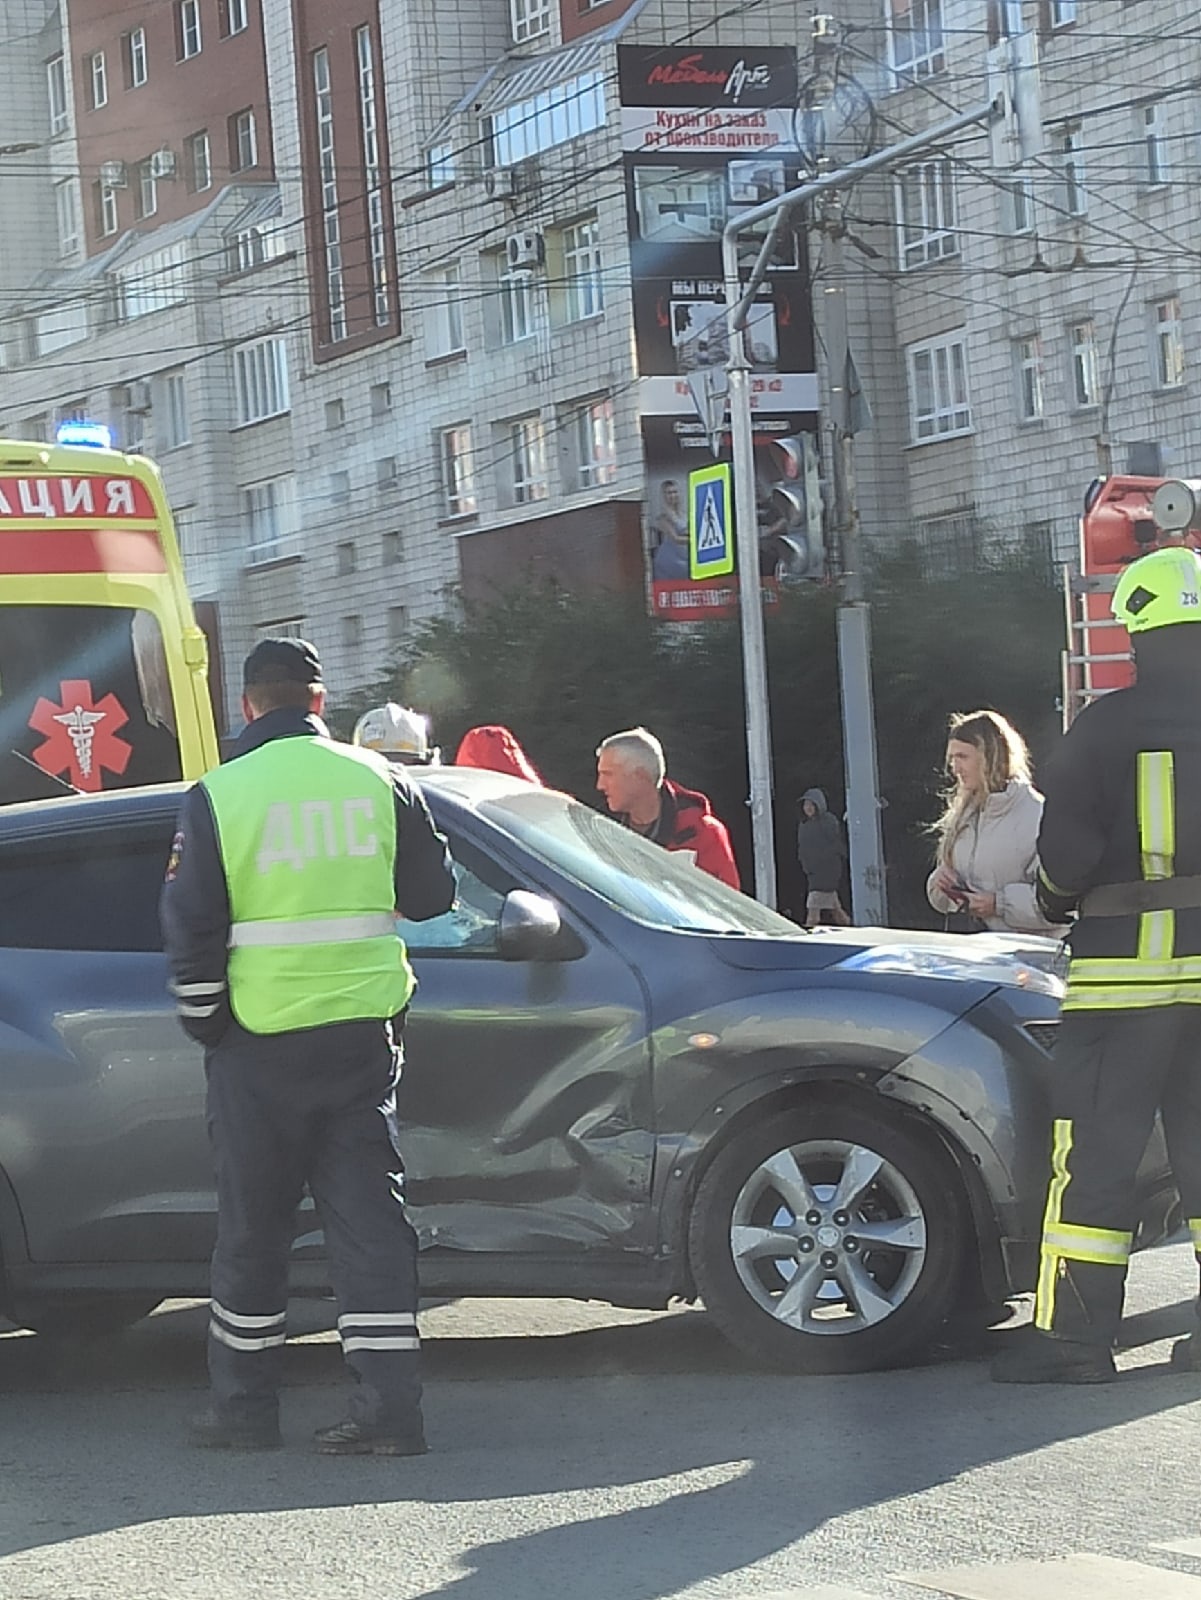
(81, 742)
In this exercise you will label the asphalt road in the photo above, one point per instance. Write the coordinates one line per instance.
(582, 1453)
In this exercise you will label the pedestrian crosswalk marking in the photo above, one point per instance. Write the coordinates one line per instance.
(1078, 1577)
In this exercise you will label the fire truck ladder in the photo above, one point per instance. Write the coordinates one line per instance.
(1078, 659)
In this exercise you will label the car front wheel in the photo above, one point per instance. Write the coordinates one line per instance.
(829, 1238)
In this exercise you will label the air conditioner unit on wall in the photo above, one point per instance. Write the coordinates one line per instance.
(162, 164)
(500, 183)
(112, 174)
(525, 249)
(139, 397)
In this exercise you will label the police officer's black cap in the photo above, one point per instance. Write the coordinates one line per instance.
(282, 661)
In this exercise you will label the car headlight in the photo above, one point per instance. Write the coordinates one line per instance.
(1037, 975)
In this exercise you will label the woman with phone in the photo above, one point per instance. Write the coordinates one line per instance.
(988, 832)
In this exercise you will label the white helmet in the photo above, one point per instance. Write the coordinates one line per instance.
(396, 732)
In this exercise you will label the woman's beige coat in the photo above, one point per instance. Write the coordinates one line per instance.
(995, 852)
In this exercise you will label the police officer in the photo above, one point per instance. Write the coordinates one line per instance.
(279, 922)
(1121, 843)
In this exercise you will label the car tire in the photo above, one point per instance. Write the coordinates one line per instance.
(85, 1316)
(829, 1238)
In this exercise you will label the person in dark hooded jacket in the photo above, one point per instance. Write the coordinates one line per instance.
(822, 852)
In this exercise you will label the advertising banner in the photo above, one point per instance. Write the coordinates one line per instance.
(708, 132)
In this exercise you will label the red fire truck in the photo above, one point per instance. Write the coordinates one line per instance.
(1124, 518)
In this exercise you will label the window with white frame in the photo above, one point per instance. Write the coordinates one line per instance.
(173, 410)
(269, 514)
(66, 324)
(915, 38)
(444, 312)
(380, 397)
(129, 421)
(243, 142)
(153, 282)
(56, 92)
(97, 80)
(147, 190)
(1070, 145)
(134, 52)
(594, 446)
(518, 306)
(926, 214)
(939, 405)
(285, 628)
(234, 16)
(261, 374)
(1086, 371)
(200, 162)
(1028, 364)
(1020, 196)
(583, 279)
(1169, 343)
(530, 19)
(66, 213)
(1151, 130)
(251, 247)
(327, 172)
(440, 165)
(106, 209)
(547, 119)
(1061, 13)
(1004, 19)
(373, 181)
(187, 28)
(527, 460)
(458, 471)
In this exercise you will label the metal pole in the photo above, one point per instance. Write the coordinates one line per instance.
(750, 603)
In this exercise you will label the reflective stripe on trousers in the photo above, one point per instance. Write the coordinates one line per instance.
(1067, 1241)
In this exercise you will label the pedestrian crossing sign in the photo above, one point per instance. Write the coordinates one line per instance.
(710, 523)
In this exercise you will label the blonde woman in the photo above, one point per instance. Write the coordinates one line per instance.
(988, 834)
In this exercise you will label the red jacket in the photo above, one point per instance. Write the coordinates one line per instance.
(496, 748)
(686, 822)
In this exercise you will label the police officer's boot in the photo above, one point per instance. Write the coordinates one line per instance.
(1036, 1357)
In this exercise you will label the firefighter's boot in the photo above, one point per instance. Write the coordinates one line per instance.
(1036, 1357)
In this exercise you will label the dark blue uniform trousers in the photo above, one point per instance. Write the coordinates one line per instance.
(316, 1106)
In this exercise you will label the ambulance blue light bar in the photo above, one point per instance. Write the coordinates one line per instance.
(93, 435)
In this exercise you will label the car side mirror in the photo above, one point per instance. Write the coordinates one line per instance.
(529, 927)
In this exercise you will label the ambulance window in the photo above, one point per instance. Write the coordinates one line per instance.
(85, 701)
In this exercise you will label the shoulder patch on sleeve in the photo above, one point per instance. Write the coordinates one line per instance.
(175, 857)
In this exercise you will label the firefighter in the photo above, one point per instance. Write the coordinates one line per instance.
(1120, 844)
(279, 921)
(398, 733)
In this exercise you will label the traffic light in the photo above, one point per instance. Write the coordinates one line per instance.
(792, 546)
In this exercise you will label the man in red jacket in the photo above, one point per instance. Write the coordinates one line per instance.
(632, 775)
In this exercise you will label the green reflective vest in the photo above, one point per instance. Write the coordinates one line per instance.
(307, 834)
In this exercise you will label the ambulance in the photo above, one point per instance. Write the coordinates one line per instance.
(103, 669)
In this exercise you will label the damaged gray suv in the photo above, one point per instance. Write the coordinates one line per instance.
(625, 1082)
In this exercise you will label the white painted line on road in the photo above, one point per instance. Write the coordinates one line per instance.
(825, 1592)
(1080, 1577)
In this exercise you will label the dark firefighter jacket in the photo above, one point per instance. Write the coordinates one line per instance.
(1122, 807)
(195, 908)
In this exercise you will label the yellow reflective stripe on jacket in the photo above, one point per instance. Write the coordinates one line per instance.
(1048, 1263)
(1104, 1246)
(1131, 996)
(1049, 883)
(1157, 847)
(1130, 969)
(1194, 1228)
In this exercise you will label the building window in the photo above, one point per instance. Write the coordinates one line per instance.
(331, 224)
(1028, 355)
(56, 90)
(391, 549)
(527, 458)
(200, 162)
(1169, 344)
(386, 474)
(1021, 206)
(518, 306)
(915, 37)
(251, 247)
(339, 488)
(530, 19)
(1061, 13)
(134, 53)
(1086, 379)
(938, 389)
(344, 557)
(1071, 165)
(173, 403)
(547, 119)
(381, 399)
(373, 182)
(1004, 19)
(106, 209)
(926, 215)
(261, 372)
(234, 17)
(335, 415)
(440, 166)
(352, 635)
(97, 81)
(398, 624)
(66, 211)
(583, 281)
(243, 144)
(147, 190)
(187, 29)
(269, 512)
(1150, 129)
(287, 628)
(444, 319)
(594, 447)
(458, 472)
(153, 282)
